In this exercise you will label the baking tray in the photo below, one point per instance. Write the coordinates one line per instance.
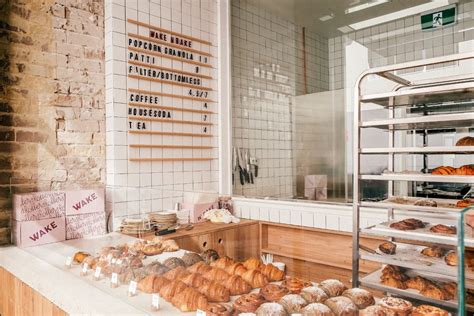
(421, 234)
(372, 280)
(409, 256)
(444, 205)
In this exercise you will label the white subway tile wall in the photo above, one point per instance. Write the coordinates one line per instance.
(138, 188)
(267, 72)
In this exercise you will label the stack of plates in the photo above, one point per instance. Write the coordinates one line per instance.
(137, 227)
(163, 219)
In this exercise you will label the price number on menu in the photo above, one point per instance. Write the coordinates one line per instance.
(197, 93)
(203, 59)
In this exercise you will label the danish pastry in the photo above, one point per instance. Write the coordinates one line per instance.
(424, 310)
(292, 303)
(316, 309)
(388, 248)
(333, 287)
(218, 309)
(434, 251)
(396, 306)
(443, 229)
(248, 303)
(152, 249)
(273, 292)
(360, 297)
(465, 141)
(270, 309)
(451, 259)
(392, 282)
(342, 306)
(314, 294)
(295, 285)
(408, 224)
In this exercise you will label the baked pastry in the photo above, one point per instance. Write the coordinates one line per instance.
(215, 292)
(425, 202)
(428, 310)
(465, 203)
(132, 275)
(417, 283)
(451, 259)
(433, 291)
(408, 224)
(443, 229)
(392, 282)
(248, 303)
(222, 263)
(374, 310)
(137, 245)
(342, 306)
(255, 278)
(450, 289)
(191, 258)
(360, 297)
(390, 271)
(333, 287)
(172, 289)
(396, 306)
(314, 294)
(236, 285)
(388, 248)
(270, 309)
(199, 267)
(470, 296)
(156, 268)
(104, 251)
(273, 292)
(295, 285)
(434, 251)
(209, 256)
(189, 300)
(194, 280)
(293, 303)
(466, 170)
(217, 309)
(169, 245)
(80, 256)
(444, 170)
(152, 283)
(176, 273)
(174, 262)
(272, 273)
(152, 249)
(216, 274)
(252, 264)
(236, 268)
(465, 141)
(316, 309)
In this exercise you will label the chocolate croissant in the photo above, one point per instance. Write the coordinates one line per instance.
(172, 289)
(236, 268)
(189, 300)
(237, 286)
(272, 273)
(215, 292)
(222, 263)
(255, 278)
(199, 267)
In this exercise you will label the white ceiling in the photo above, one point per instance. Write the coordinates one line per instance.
(308, 12)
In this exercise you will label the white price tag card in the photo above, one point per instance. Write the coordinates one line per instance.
(114, 278)
(132, 288)
(200, 313)
(85, 267)
(119, 261)
(68, 261)
(155, 301)
(97, 272)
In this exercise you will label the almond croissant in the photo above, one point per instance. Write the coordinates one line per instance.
(237, 286)
(255, 278)
(189, 300)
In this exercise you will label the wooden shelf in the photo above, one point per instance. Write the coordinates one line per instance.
(157, 54)
(137, 63)
(178, 96)
(171, 108)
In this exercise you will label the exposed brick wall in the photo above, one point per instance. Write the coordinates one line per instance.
(52, 116)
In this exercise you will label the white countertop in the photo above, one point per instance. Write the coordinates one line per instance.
(43, 269)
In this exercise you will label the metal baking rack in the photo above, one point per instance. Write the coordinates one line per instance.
(448, 105)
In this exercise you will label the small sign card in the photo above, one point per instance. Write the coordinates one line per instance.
(85, 268)
(155, 302)
(97, 272)
(200, 313)
(114, 280)
(132, 288)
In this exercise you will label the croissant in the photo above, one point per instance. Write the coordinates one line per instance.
(236, 269)
(252, 264)
(272, 273)
(216, 274)
(172, 289)
(222, 263)
(199, 267)
(152, 283)
(255, 278)
(194, 280)
(189, 300)
(465, 170)
(215, 292)
(237, 286)
(176, 273)
(465, 141)
(444, 170)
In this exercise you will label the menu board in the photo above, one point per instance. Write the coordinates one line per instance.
(170, 94)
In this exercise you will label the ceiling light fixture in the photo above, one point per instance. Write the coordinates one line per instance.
(326, 17)
(366, 5)
(400, 14)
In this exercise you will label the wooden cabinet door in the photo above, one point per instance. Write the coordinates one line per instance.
(197, 244)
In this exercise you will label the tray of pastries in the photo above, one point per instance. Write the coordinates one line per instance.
(422, 203)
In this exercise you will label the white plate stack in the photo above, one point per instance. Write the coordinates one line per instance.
(163, 219)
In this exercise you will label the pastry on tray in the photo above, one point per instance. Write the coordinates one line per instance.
(396, 306)
(433, 251)
(252, 264)
(176, 273)
(255, 278)
(195, 280)
(388, 248)
(174, 262)
(236, 285)
(189, 300)
(218, 309)
(293, 303)
(236, 268)
(270, 309)
(444, 170)
(443, 229)
(191, 258)
(342, 306)
(428, 310)
(295, 285)
(316, 309)
(209, 256)
(222, 263)
(374, 310)
(152, 249)
(248, 303)
(80, 256)
(314, 294)
(169, 246)
(333, 287)
(273, 292)
(465, 141)
(408, 224)
(435, 292)
(451, 259)
(272, 273)
(390, 271)
(200, 268)
(418, 283)
(152, 283)
(360, 297)
(425, 202)
(215, 292)
(450, 288)
(171, 289)
(216, 274)
(465, 203)
(392, 282)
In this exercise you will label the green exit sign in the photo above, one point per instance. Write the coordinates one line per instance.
(439, 18)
